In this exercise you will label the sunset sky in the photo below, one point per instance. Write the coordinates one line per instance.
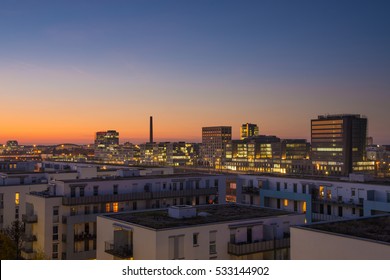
(71, 68)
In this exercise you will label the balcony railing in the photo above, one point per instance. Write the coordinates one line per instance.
(30, 219)
(30, 238)
(337, 201)
(84, 236)
(250, 190)
(135, 196)
(120, 251)
(240, 249)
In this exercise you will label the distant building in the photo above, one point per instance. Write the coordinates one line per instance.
(196, 233)
(338, 143)
(249, 130)
(106, 144)
(214, 140)
(359, 239)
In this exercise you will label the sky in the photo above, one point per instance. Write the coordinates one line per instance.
(71, 68)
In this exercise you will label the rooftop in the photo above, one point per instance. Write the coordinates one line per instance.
(117, 178)
(374, 228)
(159, 219)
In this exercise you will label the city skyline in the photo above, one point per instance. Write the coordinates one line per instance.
(68, 70)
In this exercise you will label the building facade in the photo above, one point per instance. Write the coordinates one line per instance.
(214, 140)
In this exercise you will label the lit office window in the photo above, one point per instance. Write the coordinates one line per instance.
(17, 198)
(115, 206)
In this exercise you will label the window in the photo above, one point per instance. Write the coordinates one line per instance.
(55, 233)
(207, 183)
(174, 201)
(95, 190)
(86, 210)
(321, 208)
(295, 188)
(303, 188)
(115, 189)
(16, 212)
(72, 192)
(73, 211)
(17, 198)
(278, 203)
(353, 192)
(55, 210)
(115, 207)
(81, 191)
(176, 247)
(195, 239)
(212, 242)
(329, 210)
(108, 207)
(304, 207)
(278, 186)
(340, 211)
(55, 251)
(295, 206)
(95, 209)
(285, 202)
(285, 186)
(181, 186)
(134, 205)
(216, 183)
(1, 201)
(353, 211)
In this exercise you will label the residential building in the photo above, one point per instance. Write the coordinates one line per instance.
(358, 239)
(62, 219)
(224, 232)
(321, 199)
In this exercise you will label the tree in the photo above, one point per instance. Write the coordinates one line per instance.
(15, 232)
(7, 248)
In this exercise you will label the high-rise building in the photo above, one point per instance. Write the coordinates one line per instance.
(249, 130)
(214, 140)
(106, 142)
(338, 143)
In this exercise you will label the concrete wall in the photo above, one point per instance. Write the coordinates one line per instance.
(308, 244)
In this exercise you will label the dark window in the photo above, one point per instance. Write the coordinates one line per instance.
(95, 190)
(72, 192)
(55, 232)
(329, 210)
(81, 191)
(115, 189)
(295, 188)
(340, 211)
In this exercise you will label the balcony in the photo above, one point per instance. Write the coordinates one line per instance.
(84, 236)
(30, 219)
(250, 190)
(120, 251)
(257, 247)
(30, 238)
(69, 201)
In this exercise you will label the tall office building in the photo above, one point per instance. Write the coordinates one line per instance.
(214, 140)
(338, 143)
(106, 142)
(249, 130)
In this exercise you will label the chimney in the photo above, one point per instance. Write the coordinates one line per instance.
(151, 130)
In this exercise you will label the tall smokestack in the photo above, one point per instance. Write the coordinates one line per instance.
(151, 130)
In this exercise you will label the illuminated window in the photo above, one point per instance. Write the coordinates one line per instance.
(108, 207)
(17, 198)
(115, 206)
(304, 207)
(322, 193)
(285, 202)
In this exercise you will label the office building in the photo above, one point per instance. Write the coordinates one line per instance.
(338, 143)
(106, 144)
(214, 140)
(249, 130)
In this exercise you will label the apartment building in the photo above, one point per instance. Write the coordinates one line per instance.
(358, 239)
(61, 221)
(224, 231)
(321, 199)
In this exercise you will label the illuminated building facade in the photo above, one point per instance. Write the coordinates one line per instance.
(106, 144)
(214, 140)
(249, 130)
(338, 144)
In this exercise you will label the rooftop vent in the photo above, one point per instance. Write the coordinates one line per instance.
(182, 211)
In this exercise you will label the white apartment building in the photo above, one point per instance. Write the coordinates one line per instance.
(61, 221)
(321, 199)
(224, 231)
(365, 238)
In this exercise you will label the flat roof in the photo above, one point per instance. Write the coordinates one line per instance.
(118, 178)
(373, 228)
(159, 219)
